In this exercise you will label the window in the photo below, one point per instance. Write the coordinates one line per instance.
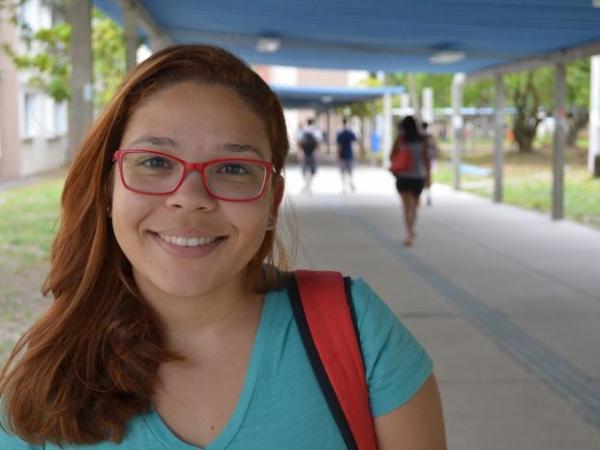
(60, 118)
(31, 115)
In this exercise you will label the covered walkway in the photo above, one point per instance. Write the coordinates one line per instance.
(505, 300)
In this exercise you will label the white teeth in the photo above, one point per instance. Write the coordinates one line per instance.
(186, 242)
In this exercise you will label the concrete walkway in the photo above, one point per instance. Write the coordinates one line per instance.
(506, 301)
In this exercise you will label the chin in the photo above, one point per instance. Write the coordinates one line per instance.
(190, 289)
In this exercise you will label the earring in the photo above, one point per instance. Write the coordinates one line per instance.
(108, 211)
(270, 223)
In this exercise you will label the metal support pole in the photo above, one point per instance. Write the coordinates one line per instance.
(560, 141)
(594, 129)
(427, 114)
(387, 126)
(130, 25)
(328, 133)
(457, 125)
(82, 94)
(498, 138)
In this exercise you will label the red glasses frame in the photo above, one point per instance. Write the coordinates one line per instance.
(189, 167)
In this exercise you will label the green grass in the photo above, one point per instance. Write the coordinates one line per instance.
(528, 183)
(28, 220)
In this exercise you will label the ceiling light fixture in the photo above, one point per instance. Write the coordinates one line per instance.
(268, 44)
(447, 57)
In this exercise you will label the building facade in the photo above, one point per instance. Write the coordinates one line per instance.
(33, 127)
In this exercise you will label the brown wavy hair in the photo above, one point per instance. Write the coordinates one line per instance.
(89, 364)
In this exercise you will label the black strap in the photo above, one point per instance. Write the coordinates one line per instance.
(317, 364)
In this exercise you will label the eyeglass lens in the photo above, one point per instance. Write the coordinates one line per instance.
(230, 179)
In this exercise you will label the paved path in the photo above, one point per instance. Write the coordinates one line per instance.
(506, 301)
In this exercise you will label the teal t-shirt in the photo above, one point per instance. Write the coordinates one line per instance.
(281, 404)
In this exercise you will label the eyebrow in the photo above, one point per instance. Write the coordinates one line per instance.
(160, 141)
(154, 140)
(243, 148)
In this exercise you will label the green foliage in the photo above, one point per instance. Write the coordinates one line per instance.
(578, 83)
(479, 93)
(47, 62)
(108, 45)
(528, 184)
(440, 83)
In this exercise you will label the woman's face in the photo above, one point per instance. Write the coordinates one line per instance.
(188, 244)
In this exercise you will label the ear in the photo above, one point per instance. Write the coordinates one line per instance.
(278, 190)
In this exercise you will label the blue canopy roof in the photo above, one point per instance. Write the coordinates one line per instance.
(328, 97)
(401, 35)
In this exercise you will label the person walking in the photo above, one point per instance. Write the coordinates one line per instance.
(309, 139)
(414, 176)
(345, 139)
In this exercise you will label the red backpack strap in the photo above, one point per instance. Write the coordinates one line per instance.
(322, 306)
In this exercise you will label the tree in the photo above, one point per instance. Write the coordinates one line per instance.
(532, 95)
(108, 47)
(525, 93)
(578, 96)
(47, 59)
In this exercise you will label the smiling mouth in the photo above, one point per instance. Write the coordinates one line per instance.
(188, 242)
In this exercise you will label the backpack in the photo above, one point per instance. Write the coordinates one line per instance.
(308, 142)
(322, 307)
(401, 158)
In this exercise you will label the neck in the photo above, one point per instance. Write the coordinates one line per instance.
(191, 323)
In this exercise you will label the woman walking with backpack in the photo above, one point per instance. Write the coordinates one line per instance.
(411, 166)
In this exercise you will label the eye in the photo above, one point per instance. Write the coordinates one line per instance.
(156, 162)
(234, 168)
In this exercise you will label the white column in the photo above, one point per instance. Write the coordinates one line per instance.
(560, 141)
(457, 125)
(328, 139)
(387, 126)
(404, 103)
(594, 128)
(427, 102)
(414, 96)
(498, 138)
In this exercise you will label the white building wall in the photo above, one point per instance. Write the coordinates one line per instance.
(42, 124)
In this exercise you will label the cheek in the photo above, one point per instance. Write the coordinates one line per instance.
(128, 210)
(250, 220)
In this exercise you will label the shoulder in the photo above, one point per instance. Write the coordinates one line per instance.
(396, 363)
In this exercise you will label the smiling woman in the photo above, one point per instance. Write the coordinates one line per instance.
(170, 325)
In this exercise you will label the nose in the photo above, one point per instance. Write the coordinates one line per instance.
(191, 194)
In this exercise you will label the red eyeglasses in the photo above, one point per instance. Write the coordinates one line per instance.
(156, 173)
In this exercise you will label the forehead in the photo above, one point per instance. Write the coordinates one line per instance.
(191, 114)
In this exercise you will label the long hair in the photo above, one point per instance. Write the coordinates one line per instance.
(89, 364)
(409, 130)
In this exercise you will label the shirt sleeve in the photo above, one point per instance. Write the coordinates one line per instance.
(11, 442)
(396, 364)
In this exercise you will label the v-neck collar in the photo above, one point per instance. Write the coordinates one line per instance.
(170, 441)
